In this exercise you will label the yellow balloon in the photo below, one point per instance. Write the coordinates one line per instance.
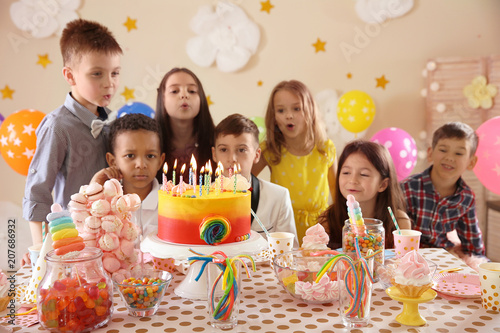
(355, 111)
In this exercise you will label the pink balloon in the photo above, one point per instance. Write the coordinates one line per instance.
(402, 148)
(487, 168)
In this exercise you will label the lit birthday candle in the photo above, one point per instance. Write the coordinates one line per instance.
(165, 170)
(209, 176)
(221, 176)
(181, 183)
(235, 173)
(173, 172)
(193, 168)
(191, 171)
(217, 180)
(201, 180)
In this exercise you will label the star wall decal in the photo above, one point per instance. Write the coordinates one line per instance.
(7, 92)
(128, 93)
(209, 100)
(381, 82)
(319, 45)
(130, 24)
(43, 60)
(266, 6)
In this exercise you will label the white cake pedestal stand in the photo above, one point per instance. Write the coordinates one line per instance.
(189, 287)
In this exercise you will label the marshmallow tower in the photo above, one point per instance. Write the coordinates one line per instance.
(103, 215)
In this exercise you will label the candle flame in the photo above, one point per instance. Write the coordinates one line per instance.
(235, 169)
(202, 170)
(193, 162)
(165, 167)
(220, 167)
(209, 168)
(239, 168)
(183, 168)
(175, 164)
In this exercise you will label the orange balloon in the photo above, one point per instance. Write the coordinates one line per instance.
(18, 138)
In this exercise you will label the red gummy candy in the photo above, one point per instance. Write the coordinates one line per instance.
(93, 292)
(58, 285)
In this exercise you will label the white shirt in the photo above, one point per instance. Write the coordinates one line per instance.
(275, 210)
(149, 211)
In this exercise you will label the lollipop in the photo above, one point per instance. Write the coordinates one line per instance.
(64, 234)
(215, 229)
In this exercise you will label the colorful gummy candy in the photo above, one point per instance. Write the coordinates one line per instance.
(142, 294)
(74, 305)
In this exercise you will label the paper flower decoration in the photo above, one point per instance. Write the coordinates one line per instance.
(226, 36)
(479, 93)
(42, 18)
(378, 11)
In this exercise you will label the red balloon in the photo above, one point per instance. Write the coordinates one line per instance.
(18, 138)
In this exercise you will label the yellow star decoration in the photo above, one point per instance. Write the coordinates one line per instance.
(349, 75)
(259, 83)
(266, 6)
(130, 24)
(381, 82)
(7, 92)
(128, 93)
(209, 100)
(43, 60)
(319, 45)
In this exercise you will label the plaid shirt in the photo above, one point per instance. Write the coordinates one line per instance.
(435, 216)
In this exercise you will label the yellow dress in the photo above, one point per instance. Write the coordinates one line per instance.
(306, 177)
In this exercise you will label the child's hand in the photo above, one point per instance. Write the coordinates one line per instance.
(105, 174)
(26, 260)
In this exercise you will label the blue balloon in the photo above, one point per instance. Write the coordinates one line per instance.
(136, 107)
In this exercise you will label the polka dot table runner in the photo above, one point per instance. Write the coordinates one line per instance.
(266, 307)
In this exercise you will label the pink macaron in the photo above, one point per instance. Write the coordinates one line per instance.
(100, 208)
(109, 241)
(94, 192)
(92, 225)
(129, 231)
(78, 202)
(112, 187)
(110, 262)
(111, 223)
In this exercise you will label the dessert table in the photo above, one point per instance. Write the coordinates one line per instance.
(266, 307)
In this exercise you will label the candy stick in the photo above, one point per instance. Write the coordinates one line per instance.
(394, 219)
(260, 223)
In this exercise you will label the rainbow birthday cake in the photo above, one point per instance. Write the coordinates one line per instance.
(220, 215)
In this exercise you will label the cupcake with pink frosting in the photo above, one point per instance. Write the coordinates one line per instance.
(316, 239)
(412, 275)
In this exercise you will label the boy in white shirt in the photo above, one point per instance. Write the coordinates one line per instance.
(237, 142)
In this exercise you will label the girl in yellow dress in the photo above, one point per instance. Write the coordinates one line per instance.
(298, 153)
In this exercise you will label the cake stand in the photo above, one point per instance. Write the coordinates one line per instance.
(410, 315)
(189, 287)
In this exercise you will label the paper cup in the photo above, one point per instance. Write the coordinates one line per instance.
(407, 241)
(489, 276)
(279, 242)
(34, 252)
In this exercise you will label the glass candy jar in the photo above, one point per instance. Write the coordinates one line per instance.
(371, 235)
(75, 295)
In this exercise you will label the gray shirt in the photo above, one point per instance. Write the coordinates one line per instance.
(66, 157)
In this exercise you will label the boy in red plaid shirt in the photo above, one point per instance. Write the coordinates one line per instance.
(438, 199)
